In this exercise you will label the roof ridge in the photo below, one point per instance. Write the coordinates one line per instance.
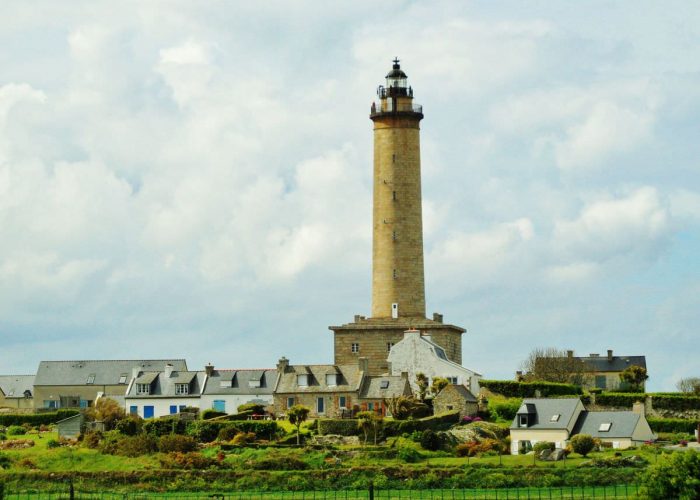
(106, 360)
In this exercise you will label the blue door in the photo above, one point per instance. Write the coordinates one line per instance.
(147, 412)
(173, 409)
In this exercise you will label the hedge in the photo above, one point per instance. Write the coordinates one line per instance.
(163, 426)
(434, 423)
(35, 419)
(622, 399)
(513, 389)
(207, 431)
(678, 402)
(673, 425)
(345, 427)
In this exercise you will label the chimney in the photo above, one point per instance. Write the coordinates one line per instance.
(437, 317)
(357, 318)
(638, 407)
(569, 354)
(363, 364)
(169, 370)
(404, 375)
(282, 364)
(610, 356)
(519, 376)
(209, 369)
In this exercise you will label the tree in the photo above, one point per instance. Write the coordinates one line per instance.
(582, 444)
(107, 411)
(674, 476)
(549, 364)
(634, 376)
(439, 383)
(297, 415)
(422, 383)
(404, 407)
(689, 385)
(369, 421)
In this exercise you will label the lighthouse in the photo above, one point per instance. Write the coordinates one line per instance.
(398, 277)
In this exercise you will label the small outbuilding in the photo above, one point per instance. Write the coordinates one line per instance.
(456, 397)
(71, 427)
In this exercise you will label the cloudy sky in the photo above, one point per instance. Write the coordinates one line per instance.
(193, 179)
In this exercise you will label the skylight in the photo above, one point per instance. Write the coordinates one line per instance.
(555, 418)
(604, 427)
(384, 384)
(122, 378)
(91, 378)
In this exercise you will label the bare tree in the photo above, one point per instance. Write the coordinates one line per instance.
(689, 385)
(550, 364)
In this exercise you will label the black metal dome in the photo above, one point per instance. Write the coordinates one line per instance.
(396, 71)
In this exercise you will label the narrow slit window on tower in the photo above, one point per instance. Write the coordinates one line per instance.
(393, 195)
(393, 158)
(394, 273)
(355, 348)
(393, 235)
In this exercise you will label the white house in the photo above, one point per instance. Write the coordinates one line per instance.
(157, 394)
(226, 390)
(417, 353)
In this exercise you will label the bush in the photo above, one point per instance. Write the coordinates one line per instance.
(243, 438)
(91, 439)
(16, 430)
(674, 425)
(540, 446)
(341, 427)
(435, 423)
(157, 427)
(514, 389)
(430, 440)
(582, 444)
(3, 437)
(5, 463)
(409, 455)
(679, 402)
(254, 408)
(189, 461)
(619, 399)
(52, 443)
(504, 409)
(176, 443)
(210, 413)
(675, 476)
(129, 426)
(278, 463)
(127, 446)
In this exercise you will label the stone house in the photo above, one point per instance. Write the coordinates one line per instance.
(226, 390)
(16, 391)
(418, 353)
(603, 372)
(376, 391)
(78, 384)
(456, 397)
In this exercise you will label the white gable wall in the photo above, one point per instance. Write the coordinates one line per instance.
(233, 401)
(415, 355)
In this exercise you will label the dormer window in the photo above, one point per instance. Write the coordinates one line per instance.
(143, 388)
(182, 389)
(555, 418)
(303, 380)
(332, 379)
(522, 419)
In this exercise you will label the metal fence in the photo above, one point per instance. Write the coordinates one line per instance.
(560, 493)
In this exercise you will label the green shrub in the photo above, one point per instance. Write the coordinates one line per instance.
(409, 455)
(678, 402)
(206, 431)
(3, 437)
(619, 399)
(52, 443)
(514, 389)
(504, 409)
(430, 440)
(210, 413)
(91, 439)
(5, 462)
(540, 446)
(278, 463)
(254, 408)
(114, 443)
(674, 425)
(16, 430)
(436, 423)
(129, 426)
(674, 476)
(176, 442)
(582, 444)
(341, 427)
(243, 438)
(157, 427)
(188, 461)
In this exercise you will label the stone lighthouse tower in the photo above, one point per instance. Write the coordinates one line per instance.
(398, 281)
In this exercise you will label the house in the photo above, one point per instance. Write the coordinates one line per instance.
(456, 397)
(16, 391)
(557, 420)
(77, 384)
(417, 353)
(550, 420)
(603, 372)
(226, 390)
(377, 390)
(328, 390)
(159, 393)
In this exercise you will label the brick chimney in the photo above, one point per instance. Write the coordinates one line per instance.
(610, 356)
(638, 407)
(209, 369)
(282, 364)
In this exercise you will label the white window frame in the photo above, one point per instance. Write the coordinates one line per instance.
(355, 347)
(181, 389)
(522, 420)
(303, 380)
(143, 388)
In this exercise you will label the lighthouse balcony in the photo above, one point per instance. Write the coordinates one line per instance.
(389, 106)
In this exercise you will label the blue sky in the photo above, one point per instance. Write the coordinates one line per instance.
(193, 179)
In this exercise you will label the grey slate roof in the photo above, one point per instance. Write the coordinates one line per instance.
(544, 409)
(616, 364)
(107, 372)
(395, 386)
(14, 386)
(623, 423)
(240, 382)
(460, 389)
(164, 387)
(350, 379)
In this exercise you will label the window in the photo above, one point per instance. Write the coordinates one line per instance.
(384, 384)
(605, 427)
(302, 380)
(389, 345)
(254, 383)
(450, 408)
(600, 382)
(452, 380)
(182, 407)
(143, 389)
(91, 379)
(122, 378)
(393, 158)
(182, 389)
(370, 406)
(523, 420)
(219, 405)
(225, 383)
(355, 348)
(393, 235)
(83, 403)
(320, 405)
(148, 412)
(394, 274)
(332, 379)
(290, 402)
(342, 402)
(555, 418)
(440, 352)
(133, 410)
(50, 404)
(393, 195)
